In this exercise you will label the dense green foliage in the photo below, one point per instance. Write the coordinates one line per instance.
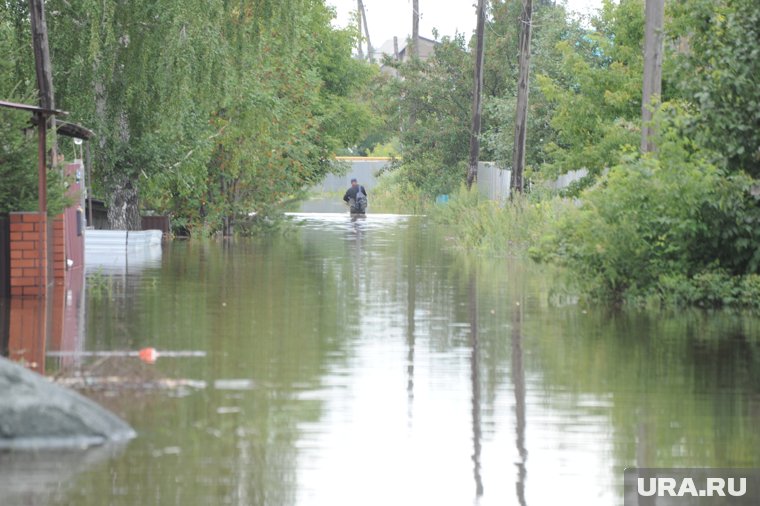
(585, 97)
(18, 151)
(596, 93)
(678, 226)
(205, 111)
(656, 221)
(717, 63)
(213, 112)
(429, 107)
(19, 189)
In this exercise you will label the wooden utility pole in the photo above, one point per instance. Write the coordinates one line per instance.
(42, 54)
(415, 53)
(359, 22)
(477, 95)
(363, 16)
(652, 88)
(395, 48)
(521, 113)
(44, 71)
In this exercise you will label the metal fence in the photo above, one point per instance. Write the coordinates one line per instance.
(493, 182)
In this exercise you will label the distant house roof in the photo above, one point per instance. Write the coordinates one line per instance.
(424, 42)
(386, 49)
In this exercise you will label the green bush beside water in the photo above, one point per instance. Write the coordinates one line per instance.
(500, 228)
(670, 228)
(394, 193)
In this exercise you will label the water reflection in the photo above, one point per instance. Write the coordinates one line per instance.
(475, 377)
(32, 326)
(518, 380)
(36, 477)
(410, 260)
(364, 361)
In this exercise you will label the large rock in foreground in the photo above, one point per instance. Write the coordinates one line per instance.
(35, 413)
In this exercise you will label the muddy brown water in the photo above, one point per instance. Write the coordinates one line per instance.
(367, 362)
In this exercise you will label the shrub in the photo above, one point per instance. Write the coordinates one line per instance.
(394, 193)
(670, 224)
(509, 227)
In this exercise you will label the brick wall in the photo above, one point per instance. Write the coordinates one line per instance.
(28, 253)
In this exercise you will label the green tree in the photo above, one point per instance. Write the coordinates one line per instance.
(716, 58)
(18, 151)
(596, 95)
(429, 104)
(208, 111)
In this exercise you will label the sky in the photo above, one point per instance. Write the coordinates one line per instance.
(387, 18)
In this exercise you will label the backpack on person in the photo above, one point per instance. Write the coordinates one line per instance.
(359, 205)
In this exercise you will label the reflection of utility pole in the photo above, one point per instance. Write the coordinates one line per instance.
(643, 451)
(475, 378)
(518, 380)
(411, 303)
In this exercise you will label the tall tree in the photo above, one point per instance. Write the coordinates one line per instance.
(207, 111)
(652, 88)
(477, 95)
(594, 92)
(521, 114)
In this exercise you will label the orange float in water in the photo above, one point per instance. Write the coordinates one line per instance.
(148, 355)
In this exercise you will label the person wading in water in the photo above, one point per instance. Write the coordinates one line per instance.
(356, 198)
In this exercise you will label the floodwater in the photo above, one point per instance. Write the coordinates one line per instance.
(367, 362)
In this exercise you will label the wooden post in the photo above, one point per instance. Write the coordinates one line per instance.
(45, 86)
(415, 53)
(477, 95)
(652, 87)
(521, 113)
(44, 71)
(395, 48)
(41, 54)
(370, 54)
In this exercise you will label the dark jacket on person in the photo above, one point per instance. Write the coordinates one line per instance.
(351, 192)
